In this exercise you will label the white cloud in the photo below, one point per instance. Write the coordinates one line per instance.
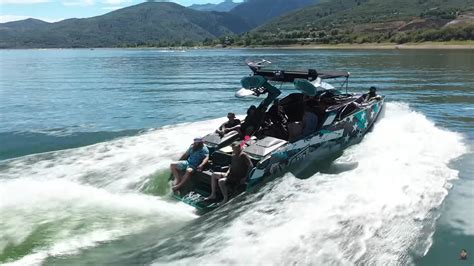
(22, 2)
(9, 18)
(79, 3)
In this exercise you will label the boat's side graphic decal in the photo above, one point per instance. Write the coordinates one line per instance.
(294, 153)
(336, 136)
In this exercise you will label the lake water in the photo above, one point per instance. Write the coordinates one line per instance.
(86, 137)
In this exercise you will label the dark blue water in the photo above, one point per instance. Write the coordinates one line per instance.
(94, 130)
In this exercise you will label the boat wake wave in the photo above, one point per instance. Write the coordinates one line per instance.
(116, 165)
(380, 210)
(373, 210)
(59, 217)
(60, 202)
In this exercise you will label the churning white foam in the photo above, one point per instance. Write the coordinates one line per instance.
(63, 217)
(113, 165)
(73, 199)
(374, 214)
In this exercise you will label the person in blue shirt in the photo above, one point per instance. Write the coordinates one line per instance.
(195, 158)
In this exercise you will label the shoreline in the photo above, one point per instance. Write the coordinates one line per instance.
(372, 46)
(456, 45)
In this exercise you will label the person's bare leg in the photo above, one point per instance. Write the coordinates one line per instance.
(214, 178)
(185, 179)
(175, 172)
(223, 190)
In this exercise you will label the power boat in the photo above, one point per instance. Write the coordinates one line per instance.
(276, 145)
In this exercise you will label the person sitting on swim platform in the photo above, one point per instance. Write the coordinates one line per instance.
(195, 158)
(235, 176)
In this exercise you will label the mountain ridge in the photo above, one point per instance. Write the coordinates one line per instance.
(225, 6)
(347, 21)
(327, 22)
(149, 23)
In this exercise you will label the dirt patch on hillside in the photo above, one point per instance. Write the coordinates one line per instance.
(420, 24)
(379, 27)
(414, 24)
(462, 20)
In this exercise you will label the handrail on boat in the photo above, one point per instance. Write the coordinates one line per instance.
(345, 107)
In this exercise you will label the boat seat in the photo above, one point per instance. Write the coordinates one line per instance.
(220, 161)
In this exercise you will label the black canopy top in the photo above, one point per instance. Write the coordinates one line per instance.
(291, 75)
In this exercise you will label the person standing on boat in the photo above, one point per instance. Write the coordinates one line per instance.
(195, 158)
(227, 126)
(277, 121)
(256, 115)
(277, 113)
(235, 176)
(253, 120)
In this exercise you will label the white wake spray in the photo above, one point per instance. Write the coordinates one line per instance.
(112, 165)
(74, 199)
(373, 214)
(63, 217)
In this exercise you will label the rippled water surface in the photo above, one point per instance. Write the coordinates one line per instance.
(86, 137)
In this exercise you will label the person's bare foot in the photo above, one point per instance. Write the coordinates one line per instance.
(211, 197)
(175, 190)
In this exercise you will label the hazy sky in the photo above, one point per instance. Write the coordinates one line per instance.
(55, 10)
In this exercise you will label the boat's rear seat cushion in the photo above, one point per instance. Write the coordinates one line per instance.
(214, 139)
